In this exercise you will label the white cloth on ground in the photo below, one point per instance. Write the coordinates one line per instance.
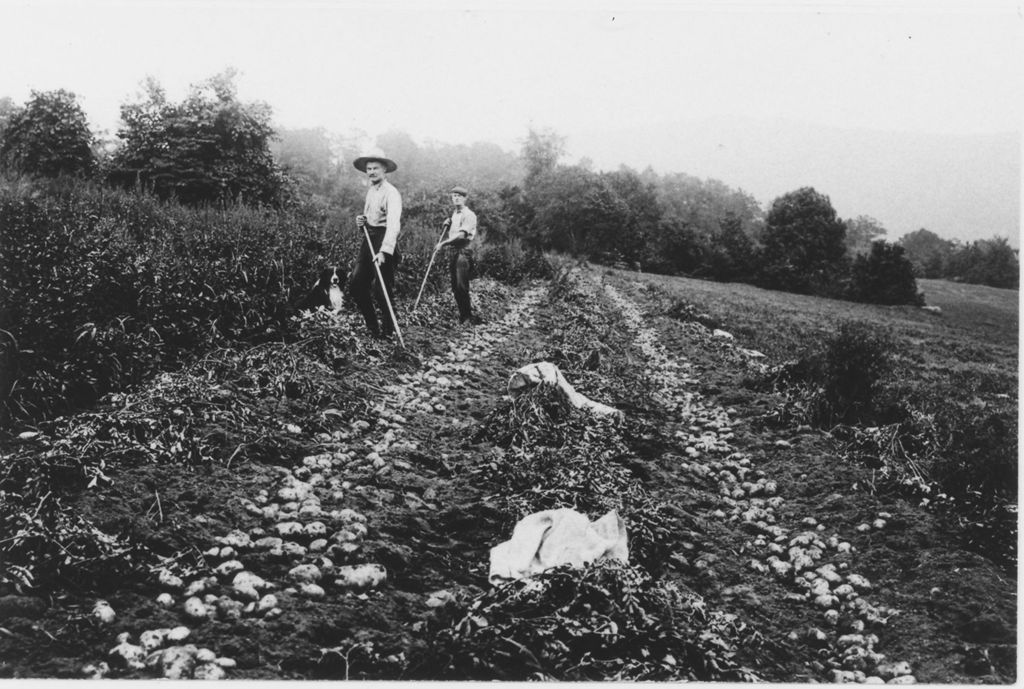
(547, 539)
(546, 373)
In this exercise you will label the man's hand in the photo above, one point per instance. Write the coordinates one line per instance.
(360, 221)
(379, 258)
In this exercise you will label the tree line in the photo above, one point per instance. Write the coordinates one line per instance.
(990, 262)
(213, 149)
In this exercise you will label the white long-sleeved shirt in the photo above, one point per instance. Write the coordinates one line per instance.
(463, 220)
(383, 208)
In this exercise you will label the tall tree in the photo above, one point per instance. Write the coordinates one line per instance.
(927, 252)
(209, 148)
(577, 212)
(627, 241)
(804, 244)
(734, 254)
(1002, 267)
(990, 262)
(49, 136)
(541, 152)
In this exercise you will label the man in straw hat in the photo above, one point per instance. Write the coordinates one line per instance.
(461, 231)
(382, 218)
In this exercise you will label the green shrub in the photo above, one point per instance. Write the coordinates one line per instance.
(211, 148)
(99, 289)
(884, 276)
(804, 249)
(841, 379)
(509, 262)
(50, 137)
(534, 417)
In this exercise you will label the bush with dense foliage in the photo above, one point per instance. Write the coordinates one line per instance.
(990, 262)
(883, 276)
(210, 148)
(49, 137)
(510, 262)
(804, 245)
(840, 377)
(100, 289)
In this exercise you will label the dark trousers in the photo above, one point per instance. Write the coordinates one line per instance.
(460, 269)
(363, 281)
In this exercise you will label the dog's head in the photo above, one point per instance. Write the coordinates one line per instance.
(328, 290)
(332, 276)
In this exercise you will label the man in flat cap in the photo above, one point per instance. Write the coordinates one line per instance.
(461, 231)
(382, 218)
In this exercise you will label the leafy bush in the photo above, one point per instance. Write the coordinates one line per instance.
(985, 261)
(884, 276)
(606, 621)
(978, 468)
(210, 148)
(49, 137)
(535, 417)
(841, 378)
(804, 245)
(100, 290)
(46, 541)
(508, 261)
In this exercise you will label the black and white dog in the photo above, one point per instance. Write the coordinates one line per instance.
(328, 291)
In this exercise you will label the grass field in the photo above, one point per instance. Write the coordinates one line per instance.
(972, 345)
(776, 322)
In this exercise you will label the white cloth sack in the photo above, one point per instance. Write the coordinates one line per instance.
(551, 538)
(546, 373)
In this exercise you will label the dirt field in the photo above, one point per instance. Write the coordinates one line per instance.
(366, 505)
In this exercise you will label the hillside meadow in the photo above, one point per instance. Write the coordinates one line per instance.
(778, 323)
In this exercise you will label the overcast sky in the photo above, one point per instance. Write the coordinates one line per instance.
(467, 71)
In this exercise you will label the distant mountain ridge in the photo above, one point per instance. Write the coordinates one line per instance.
(963, 187)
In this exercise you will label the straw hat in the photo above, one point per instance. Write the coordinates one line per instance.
(375, 156)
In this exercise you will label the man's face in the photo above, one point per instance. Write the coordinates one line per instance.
(459, 200)
(375, 171)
